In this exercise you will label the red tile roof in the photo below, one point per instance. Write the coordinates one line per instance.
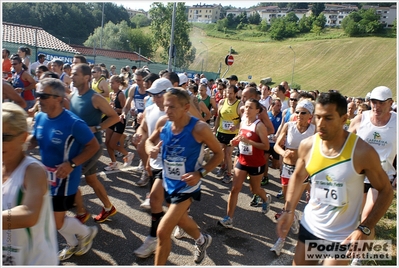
(25, 34)
(116, 54)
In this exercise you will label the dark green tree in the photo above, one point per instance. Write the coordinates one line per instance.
(140, 21)
(291, 17)
(254, 18)
(305, 24)
(317, 8)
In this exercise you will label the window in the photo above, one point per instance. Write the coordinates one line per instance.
(191, 11)
(190, 16)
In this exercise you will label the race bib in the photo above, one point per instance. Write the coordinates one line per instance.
(139, 103)
(385, 166)
(174, 170)
(51, 177)
(12, 255)
(287, 171)
(227, 124)
(245, 148)
(331, 193)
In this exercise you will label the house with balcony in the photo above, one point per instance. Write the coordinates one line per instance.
(387, 14)
(204, 13)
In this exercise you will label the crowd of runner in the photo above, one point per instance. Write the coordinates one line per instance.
(183, 129)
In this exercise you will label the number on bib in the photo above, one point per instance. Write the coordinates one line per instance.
(174, 170)
(227, 124)
(245, 148)
(51, 177)
(331, 193)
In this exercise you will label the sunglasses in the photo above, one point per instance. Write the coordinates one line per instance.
(302, 113)
(10, 137)
(293, 99)
(157, 95)
(14, 63)
(93, 72)
(45, 96)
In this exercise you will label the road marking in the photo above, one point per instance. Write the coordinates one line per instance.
(115, 171)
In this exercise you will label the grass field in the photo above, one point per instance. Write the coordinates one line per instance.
(354, 66)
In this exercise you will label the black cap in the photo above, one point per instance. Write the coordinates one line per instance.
(232, 77)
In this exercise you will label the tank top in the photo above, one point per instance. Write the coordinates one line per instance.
(95, 86)
(138, 99)
(207, 102)
(383, 139)
(117, 103)
(250, 155)
(19, 83)
(181, 154)
(36, 245)
(294, 137)
(82, 106)
(265, 103)
(276, 121)
(228, 117)
(152, 114)
(62, 76)
(287, 115)
(218, 97)
(336, 194)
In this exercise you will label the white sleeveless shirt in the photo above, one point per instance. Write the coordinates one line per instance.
(152, 114)
(384, 140)
(38, 244)
(294, 136)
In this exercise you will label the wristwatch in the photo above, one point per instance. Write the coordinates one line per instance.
(365, 230)
(202, 172)
(73, 165)
(98, 128)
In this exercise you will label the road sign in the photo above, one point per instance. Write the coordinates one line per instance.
(249, 76)
(229, 60)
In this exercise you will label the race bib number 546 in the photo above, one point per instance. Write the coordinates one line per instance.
(174, 170)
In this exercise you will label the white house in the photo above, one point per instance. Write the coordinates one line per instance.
(204, 13)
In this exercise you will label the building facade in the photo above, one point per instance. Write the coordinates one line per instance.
(204, 13)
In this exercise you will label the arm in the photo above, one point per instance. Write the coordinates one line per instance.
(104, 86)
(266, 121)
(31, 140)
(27, 214)
(354, 125)
(99, 102)
(282, 123)
(295, 188)
(127, 107)
(141, 134)
(152, 144)
(11, 94)
(205, 110)
(193, 110)
(217, 121)
(122, 101)
(280, 141)
(214, 106)
(32, 82)
(262, 133)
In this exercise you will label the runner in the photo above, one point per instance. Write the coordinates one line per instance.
(182, 138)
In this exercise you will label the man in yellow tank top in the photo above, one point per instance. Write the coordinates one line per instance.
(99, 83)
(336, 162)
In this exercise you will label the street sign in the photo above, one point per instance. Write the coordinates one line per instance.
(229, 60)
(249, 76)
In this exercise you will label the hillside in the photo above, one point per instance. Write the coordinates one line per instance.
(354, 66)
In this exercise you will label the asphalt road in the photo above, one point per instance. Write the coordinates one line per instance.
(248, 243)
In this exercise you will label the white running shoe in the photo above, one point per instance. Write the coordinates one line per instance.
(179, 232)
(111, 166)
(128, 159)
(146, 204)
(278, 246)
(86, 242)
(147, 248)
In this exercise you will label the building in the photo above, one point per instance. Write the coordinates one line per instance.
(133, 12)
(239, 11)
(204, 13)
(387, 14)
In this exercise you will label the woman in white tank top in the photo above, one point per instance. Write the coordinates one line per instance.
(29, 233)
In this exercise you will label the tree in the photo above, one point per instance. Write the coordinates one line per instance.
(317, 8)
(161, 25)
(254, 18)
(362, 22)
(320, 21)
(140, 21)
(305, 24)
(291, 17)
(298, 5)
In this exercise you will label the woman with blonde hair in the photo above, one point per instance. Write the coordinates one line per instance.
(29, 233)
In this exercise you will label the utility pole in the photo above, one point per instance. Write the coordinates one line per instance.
(172, 38)
(102, 28)
(293, 67)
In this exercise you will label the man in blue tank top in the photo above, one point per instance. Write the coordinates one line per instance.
(89, 106)
(181, 139)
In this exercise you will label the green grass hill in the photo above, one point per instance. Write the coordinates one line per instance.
(354, 66)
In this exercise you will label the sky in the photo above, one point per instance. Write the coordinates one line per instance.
(146, 4)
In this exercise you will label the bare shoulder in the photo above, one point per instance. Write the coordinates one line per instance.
(35, 175)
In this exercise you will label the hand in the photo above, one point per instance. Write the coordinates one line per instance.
(232, 128)
(19, 90)
(136, 139)
(155, 150)
(122, 118)
(63, 170)
(288, 153)
(191, 178)
(356, 236)
(139, 118)
(284, 224)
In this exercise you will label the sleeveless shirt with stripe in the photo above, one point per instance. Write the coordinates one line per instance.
(228, 116)
(250, 156)
(334, 208)
(36, 245)
(181, 154)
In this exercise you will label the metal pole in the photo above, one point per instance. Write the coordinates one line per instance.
(102, 28)
(293, 67)
(172, 37)
(202, 66)
(139, 57)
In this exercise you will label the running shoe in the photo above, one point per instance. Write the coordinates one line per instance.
(278, 246)
(227, 178)
(280, 195)
(111, 166)
(179, 232)
(147, 248)
(83, 218)
(128, 159)
(295, 224)
(255, 200)
(266, 205)
(86, 242)
(104, 215)
(221, 172)
(118, 154)
(278, 215)
(67, 252)
(200, 250)
(146, 204)
(356, 262)
(264, 181)
(144, 179)
(226, 222)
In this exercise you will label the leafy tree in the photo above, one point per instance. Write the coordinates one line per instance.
(140, 21)
(317, 8)
(305, 24)
(320, 21)
(280, 29)
(254, 18)
(264, 26)
(362, 22)
(161, 25)
(282, 5)
(298, 5)
(291, 17)
(221, 24)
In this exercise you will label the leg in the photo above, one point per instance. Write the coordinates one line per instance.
(254, 186)
(80, 209)
(165, 228)
(299, 257)
(99, 189)
(108, 143)
(266, 165)
(238, 180)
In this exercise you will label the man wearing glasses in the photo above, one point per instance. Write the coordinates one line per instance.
(65, 143)
(23, 82)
